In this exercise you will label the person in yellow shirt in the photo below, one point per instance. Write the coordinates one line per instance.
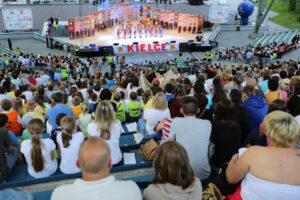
(12, 91)
(273, 93)
(75, 106)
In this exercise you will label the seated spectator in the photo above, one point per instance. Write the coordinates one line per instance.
(76, 106)
(3, 95)
(273, 93)
(257, 107)
(57, 109)
(134, 108)
(169, 89)
(294, 101)
(108, 128)
(54, 132)
(280, 181)
(12, 91)
(8, 152)
(176, 103)
(69, 141)
(14, 120)
(155, 114)
(226, 134)
(31, 114)
(14, 140)
(121, 108)
(84, 118)
(19, 107)
(283, 88)
(106, 95)
(93, 101)
(176, 182)
(38, 151)
(95, 162)
(240, 113)
(193, 134)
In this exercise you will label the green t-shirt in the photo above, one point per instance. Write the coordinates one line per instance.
(180, 61)
(121, 112)
(134, 109)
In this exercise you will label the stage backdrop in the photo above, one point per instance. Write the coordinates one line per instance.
(219, 13)
(146, 48)
(17, 19)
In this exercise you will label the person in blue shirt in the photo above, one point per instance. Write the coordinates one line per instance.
(110, 82)
(57, 109)
(169, 91)
(257, 107)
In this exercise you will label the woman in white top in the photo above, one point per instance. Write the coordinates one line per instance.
(108, 128)
(38, 152)
(69, 142)
(155, 114)
(270, 172)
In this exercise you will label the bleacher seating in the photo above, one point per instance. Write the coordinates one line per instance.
(7, 52)
(20, 177)
(285, 36)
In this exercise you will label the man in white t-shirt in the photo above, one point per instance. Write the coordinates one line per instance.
(96, 183)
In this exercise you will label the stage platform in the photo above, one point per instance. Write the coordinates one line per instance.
(109, 37)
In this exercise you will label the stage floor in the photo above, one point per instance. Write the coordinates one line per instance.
(109, 37)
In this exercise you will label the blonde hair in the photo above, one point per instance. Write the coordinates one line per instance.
(105, 117)
(84, 107)
(31, 105)
(18, 106)
(68, 125)
(160, 101)
(281, 128)
(36, 128)
(284, 84)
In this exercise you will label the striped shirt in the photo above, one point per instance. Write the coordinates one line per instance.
(180, 61)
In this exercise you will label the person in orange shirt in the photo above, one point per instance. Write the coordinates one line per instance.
(14, 120)
(273, 93)
(75, 106)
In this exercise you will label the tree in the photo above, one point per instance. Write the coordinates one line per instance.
(293, 5)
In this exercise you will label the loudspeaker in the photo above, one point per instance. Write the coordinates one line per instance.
(190, 41)
(116, 44)
(173, 41)
(135, 43)
(155, 42)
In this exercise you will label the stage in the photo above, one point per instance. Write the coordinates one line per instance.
(109, 37)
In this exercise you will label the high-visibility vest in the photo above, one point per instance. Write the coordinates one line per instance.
(109, 59)
(238, 24)
(206, 55)
(134, 109)
(18, 51)
(120, 113)
(64, 73)
(274, 55)
(211, 56)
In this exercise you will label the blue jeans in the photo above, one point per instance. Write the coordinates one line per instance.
(11, 158)
(141, 126)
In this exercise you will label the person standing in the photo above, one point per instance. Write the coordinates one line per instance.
(9, 44)
(238, 26)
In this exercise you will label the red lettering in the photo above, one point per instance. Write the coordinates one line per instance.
(143, 48)
(137, 48)
(163, 47)
(149, 47)
(130, 48)
(155, 47)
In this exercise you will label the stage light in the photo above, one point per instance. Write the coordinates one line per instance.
(173, 41)
(135, 43)
(155, 42)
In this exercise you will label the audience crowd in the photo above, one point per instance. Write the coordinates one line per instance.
(202, 116)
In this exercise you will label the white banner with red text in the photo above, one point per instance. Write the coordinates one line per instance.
(134, 48)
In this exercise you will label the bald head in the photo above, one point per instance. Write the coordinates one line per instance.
(94, 156)
(251, 82)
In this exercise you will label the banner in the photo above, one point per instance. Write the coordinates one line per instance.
(133, 48)
(219, 13)
(17, 18)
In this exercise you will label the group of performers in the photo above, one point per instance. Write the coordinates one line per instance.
(144, 28)
(134, 32)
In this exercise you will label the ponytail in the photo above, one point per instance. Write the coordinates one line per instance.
(36, 128)
(36, 153)
(68, 125)
(66, 136)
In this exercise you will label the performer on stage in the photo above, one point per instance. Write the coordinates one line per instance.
(155, 31)
(118, 33)
(146, 32)
(134, 32)
(130, 32)
(161, 32)
(140, 32)
(150, 32)
(124, 33)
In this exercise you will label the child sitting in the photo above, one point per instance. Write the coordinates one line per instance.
(38, 152)
(84, 117)
(134, 108)
(69, 142)
(75, 106)
(58, 129)
(121, 108)
(14, 120)
(31, 114)
(92, 102)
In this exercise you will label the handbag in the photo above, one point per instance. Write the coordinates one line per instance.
(148, 149)
(212, 193)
